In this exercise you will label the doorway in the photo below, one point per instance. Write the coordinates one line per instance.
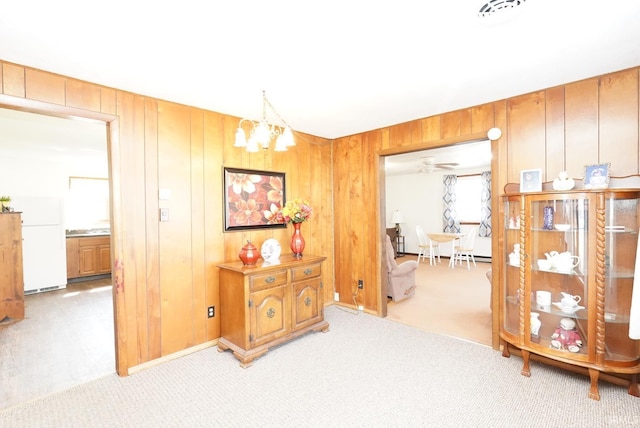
(41, 152)
(413, 183)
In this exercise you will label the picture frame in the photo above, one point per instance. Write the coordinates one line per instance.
(596, 176)
(531, 180)
(252, 199)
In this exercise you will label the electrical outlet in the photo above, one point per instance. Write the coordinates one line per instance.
(211, 311)
(360, 308)
(360, 284)
(336, 297)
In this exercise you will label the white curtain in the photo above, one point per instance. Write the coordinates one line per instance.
(485, 211)
(450, 223)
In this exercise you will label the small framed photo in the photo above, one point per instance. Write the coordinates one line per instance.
(596, 176)
(531, 180)
(253, 199)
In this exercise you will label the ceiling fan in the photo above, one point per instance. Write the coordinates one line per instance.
(428, 164)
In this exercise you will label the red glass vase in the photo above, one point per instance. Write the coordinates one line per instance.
(297, 241)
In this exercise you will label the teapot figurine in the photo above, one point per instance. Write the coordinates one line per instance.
(569, 299)
(562, 261)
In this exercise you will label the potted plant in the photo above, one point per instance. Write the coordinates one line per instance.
(4, 203)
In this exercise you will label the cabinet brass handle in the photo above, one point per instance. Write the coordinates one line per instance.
(308, 271)
(270, 279)
(307, 301)
(271, 313)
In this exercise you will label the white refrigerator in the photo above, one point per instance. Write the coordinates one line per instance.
(44, 251)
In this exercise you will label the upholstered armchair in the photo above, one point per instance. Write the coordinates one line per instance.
(401, 278)
(394, 242)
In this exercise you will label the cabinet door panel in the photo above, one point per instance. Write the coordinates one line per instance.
(268, 315)
(622, 223)
(511, 292)
(104, 258)
(559, 235)
(88, 261)
(73, 262)
(307, 307)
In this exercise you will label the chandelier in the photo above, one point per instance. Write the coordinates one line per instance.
(261, 133)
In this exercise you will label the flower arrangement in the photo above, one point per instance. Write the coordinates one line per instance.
(296, 211)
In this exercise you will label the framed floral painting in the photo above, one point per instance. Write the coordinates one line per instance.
(253, 199)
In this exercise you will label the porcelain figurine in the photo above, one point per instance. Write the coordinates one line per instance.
(566, 336)
(563, 182)
(535, 324)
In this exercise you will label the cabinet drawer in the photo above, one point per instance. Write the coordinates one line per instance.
(258, 282)
(305, 272)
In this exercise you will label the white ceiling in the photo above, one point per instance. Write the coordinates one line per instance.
(51, 137)
(332, 68)
(472, 156)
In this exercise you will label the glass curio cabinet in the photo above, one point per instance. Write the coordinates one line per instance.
(567, 279)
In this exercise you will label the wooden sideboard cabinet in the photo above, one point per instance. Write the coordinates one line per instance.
(88, 256)
(11, 275)
(267, 304)
(568, 268)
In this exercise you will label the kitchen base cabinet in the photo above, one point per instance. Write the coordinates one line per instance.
(88, 256)
(268, 304)
(568, 266)
(11, 275)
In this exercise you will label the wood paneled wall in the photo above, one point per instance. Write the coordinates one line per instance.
(165, 274)
(555, 129)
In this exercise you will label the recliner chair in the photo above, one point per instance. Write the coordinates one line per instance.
(401, 278)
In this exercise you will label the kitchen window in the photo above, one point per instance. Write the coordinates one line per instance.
(88, 203)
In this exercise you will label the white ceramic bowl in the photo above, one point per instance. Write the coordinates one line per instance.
(544, 264)
(563, 227)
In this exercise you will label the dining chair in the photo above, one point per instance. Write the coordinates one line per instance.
(426, 247)
(423, 245)
(464, 251)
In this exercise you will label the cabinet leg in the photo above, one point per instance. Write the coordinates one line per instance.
(505, 349)
(593, 392)
(526, 371)
(633, 386)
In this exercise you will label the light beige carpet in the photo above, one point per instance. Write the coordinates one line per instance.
(365, 372)
(454, 302)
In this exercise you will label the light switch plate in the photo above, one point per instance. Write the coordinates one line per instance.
(164, 214)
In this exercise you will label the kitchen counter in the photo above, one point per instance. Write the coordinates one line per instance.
(79, 233)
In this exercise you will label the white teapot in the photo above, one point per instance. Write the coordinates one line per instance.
(562, 261)
(569, 300)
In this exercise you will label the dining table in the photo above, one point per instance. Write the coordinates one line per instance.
(442, 237)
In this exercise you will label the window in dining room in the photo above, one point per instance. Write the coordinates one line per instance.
(468, 198)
